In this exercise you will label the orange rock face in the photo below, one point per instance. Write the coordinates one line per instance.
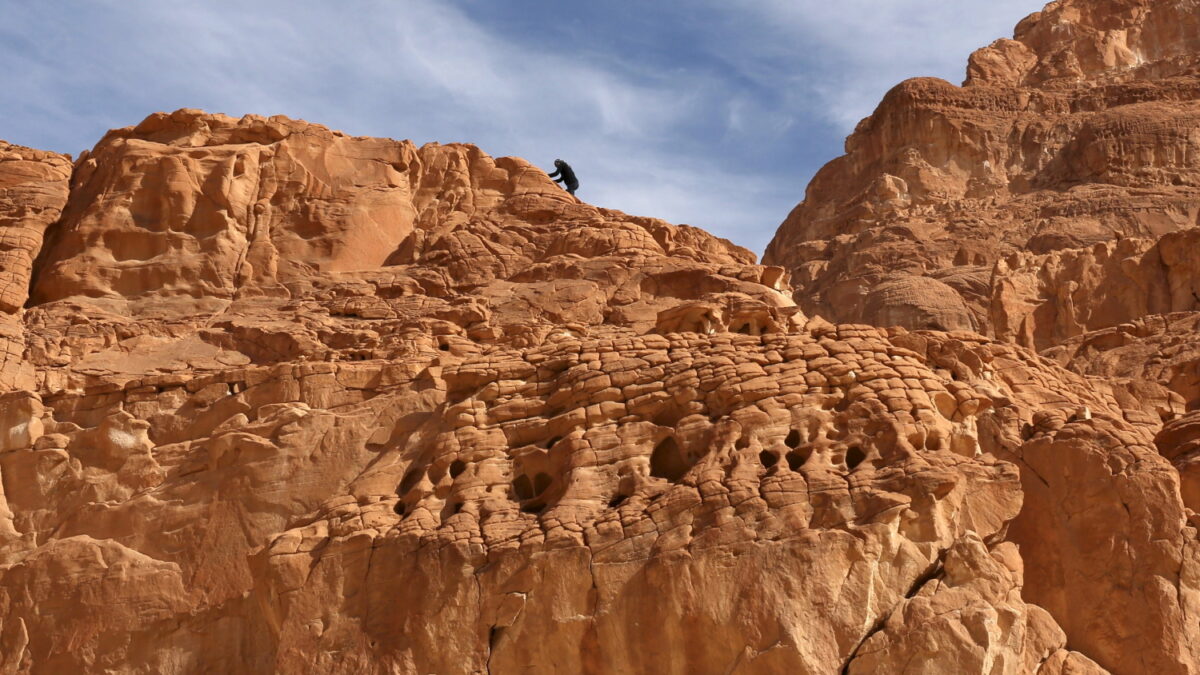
(1051, 203)
(33, 191)
(1079, 132)
(278, 399)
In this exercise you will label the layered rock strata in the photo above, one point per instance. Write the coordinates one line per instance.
(33, 191)
(953, 205)
(501, 433)
(1050, 202)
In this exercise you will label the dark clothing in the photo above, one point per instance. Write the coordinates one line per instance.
(563, 174)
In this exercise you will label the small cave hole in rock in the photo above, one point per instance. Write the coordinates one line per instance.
(616, 501)
(768, 458)
(457, 467)
(552, 442)
(540, 482)
(523, 487)
(667, 460)
(854, 457)
(445, 346)
(742, 443)
(843, 404)
(793, 439)
(455, 508)
(533, 507)
(797, 458)
(744, 329)
(399, 508)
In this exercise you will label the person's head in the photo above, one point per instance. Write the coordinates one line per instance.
(559, 162)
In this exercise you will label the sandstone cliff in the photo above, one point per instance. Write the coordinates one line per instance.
(969, 207)
(276, 399)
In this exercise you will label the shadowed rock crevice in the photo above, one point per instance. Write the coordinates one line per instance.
(668, 461)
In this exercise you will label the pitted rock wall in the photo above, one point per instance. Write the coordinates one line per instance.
(491, 497)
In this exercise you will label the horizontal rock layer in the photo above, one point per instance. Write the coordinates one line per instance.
(1079, 132)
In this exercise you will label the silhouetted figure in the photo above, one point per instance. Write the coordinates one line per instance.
(563, 174)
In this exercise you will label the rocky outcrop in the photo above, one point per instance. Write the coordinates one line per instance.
(202, 241)
(293, 401)
(1147, 352)
(363, 515)
(483, 427)
(33, 191)
(1050, 202)
(1044, 301)
(971, 619)
(1077, 133)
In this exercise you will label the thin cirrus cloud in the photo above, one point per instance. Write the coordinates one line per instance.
(700, 113)
(855, 50)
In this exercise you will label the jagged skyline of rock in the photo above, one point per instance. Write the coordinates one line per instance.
(705, 113)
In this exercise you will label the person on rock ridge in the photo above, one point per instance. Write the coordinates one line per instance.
(563, 174)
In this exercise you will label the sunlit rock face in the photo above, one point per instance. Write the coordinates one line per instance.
(33, 191)
(279, 399)
(1078, 133)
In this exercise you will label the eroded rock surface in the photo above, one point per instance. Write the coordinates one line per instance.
(292, 401)
(1078, 134)
(1050, 202)
(33, 192)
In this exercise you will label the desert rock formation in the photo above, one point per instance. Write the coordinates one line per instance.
(971, 207)
(1050, 203)
(278, 399)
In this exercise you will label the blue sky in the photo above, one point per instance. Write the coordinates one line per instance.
(706, 112)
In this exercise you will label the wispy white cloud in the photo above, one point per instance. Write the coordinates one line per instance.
(838, 59)
(721, 136)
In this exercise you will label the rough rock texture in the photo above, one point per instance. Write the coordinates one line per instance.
(291, 401)
(467, 423)
(33, 191)
(1078, 133)
(971, 619)
(1051, 202)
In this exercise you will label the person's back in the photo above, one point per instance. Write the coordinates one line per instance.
(565, 175)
